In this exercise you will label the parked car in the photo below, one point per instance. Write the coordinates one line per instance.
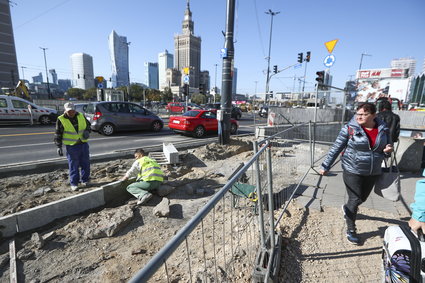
(180, 107)
(198, 123)
(235, 114)
(81, 107)
(113, 116)
(14, 109)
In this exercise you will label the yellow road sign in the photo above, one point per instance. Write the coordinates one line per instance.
(330, 45)
(186, 70)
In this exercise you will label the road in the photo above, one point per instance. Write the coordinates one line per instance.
(24, 144)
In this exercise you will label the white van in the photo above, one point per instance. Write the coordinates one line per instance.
(15, 109)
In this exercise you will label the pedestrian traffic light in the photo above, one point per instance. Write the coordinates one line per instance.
(320, 79)
(307, 57)
(275, 69)
(300, 57)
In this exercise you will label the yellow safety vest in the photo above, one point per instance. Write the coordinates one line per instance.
(150, 170)
(70, 135)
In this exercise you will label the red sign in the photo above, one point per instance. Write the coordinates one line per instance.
(397, 73)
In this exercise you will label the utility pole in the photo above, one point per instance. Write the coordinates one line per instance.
(215, 82)
(272, 14)
(361, 61)
(47, 74)
(228, 54)
(23, 76)
(128, 70)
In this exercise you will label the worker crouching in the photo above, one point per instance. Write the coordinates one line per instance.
(149, 177)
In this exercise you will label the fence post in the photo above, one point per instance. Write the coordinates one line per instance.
(259, 197)
(311, 144)
(271, 206)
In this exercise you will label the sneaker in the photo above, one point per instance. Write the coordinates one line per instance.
(144, 199)
(74, 188)
(344, 211)
(85, 184)
(352, 237)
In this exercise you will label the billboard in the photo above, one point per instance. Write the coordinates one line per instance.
(376, 83)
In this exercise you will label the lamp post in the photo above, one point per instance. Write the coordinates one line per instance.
(361, 59)
(272, 14)
(23, 75)
(47, 74)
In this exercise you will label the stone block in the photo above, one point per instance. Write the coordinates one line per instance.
(8, 225)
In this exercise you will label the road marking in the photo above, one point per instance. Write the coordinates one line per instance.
(28, 134)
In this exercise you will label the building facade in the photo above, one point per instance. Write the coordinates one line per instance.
(204, 82)
(165, 61)
(151, 75)
(9, 75)
(417, 90)
(82, 70)
(64, 85)
(118, 49)
(187, 51)
(38, 79)
(53, 76)
(405, 63)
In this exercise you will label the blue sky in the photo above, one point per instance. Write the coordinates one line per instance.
(386, 29)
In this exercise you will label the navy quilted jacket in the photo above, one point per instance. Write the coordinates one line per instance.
(358, 158)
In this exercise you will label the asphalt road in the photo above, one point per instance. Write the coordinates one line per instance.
(25, 144)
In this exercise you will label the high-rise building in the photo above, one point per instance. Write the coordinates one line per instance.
(405, 63)
(82, 70)
(9, 75)
(53, 77)
(38, 79)
(187, 50)
(118, 49)
(234, 81)
(151, 75)
(204, 81)
(165, 61)
(64, 85)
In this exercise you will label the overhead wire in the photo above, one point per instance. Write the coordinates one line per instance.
(259, 29)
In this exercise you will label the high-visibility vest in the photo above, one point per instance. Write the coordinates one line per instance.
(70, 135)
(150, 170)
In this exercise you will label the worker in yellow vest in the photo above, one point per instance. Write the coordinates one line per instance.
(73, 130)
(149, 177)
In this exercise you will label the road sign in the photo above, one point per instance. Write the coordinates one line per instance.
(223, 52)
(186, 79)
(329, 61)
(99, 85)
(330, 45)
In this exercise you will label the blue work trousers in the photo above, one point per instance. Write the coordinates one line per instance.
(78, 157)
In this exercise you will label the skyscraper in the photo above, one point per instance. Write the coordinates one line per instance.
(53, 76)
(118, 49)
(8, 63)
(151, 75)
(187, 50)
(82, 70)
(404, 63)
(165, 61)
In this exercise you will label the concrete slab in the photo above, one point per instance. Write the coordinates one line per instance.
(41, 215)
(311, 192)
(331, 200)
(8, 225)
(309, 202)
(115, 190)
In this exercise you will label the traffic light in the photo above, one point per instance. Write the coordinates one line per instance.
(320, 79)
(271, 94)
(186, 89)
(300, 57)
(275, 69)
(307, 57)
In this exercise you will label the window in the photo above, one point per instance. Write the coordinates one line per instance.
(136, 109)
(19, 104)
(209, 115)
(3, 103)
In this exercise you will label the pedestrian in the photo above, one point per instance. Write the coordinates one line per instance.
(30, 113)
(364, 142)
(149, 177)
(73, 130)
(391, 119)
(418, 207)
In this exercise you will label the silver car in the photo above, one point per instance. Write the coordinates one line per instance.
(112, 116)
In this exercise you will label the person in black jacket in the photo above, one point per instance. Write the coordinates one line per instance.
(392, 120)
(365, 142)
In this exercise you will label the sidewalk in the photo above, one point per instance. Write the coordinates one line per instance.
(329, 191)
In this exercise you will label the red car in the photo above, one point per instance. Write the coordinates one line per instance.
(179, 107)
(198, 123)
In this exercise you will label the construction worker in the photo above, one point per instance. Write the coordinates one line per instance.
(73, 130)
(149, 177)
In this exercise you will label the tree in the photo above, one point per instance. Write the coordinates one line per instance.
(153, 95)
(76, 93)
(90, 94)
(199, 98)
(167, 95)
(136, 92)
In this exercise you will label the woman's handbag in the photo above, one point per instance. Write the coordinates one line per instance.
(388, 183)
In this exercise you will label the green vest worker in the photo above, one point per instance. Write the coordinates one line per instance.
(149, 177)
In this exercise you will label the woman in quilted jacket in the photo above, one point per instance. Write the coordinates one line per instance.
(364, 142)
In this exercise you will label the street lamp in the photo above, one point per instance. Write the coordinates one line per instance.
(361, 59)
(272, 14)
(47, 74)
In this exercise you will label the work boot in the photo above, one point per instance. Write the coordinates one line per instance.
(352, 237)
(145, 198)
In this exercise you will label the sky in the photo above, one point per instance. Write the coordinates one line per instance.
(384, 29)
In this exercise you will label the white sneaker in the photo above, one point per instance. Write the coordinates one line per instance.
(86, 184)
(144, 199)
(74, 188)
